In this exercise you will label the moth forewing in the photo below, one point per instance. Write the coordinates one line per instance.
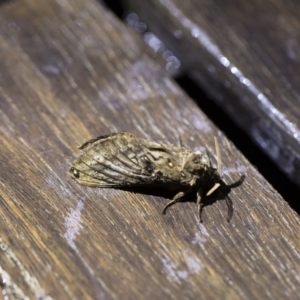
(122, 160)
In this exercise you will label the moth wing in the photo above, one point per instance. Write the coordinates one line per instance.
(122, 160)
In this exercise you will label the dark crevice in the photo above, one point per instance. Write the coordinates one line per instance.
(243, 142)
(116, 7)
(254, 154)
(5, 1)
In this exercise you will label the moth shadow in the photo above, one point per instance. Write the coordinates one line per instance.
(221, 194)
(162, 192)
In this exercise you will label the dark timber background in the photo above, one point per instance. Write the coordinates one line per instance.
(71, 70)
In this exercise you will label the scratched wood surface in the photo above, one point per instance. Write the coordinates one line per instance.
(246, 55)
(71, 71)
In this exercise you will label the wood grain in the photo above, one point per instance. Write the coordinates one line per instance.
(246, 55)
(72, 72)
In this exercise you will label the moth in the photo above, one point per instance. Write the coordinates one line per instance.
(122, 160)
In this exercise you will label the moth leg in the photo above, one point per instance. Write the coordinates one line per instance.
(175, 199)
(229, 207)
(237, 183)
(200, 204)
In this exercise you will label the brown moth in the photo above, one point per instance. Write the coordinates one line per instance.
(121, 160)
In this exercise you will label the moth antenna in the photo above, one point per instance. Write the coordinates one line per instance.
(180, 141)
(216, 186)
(206, 152)
(218, 156)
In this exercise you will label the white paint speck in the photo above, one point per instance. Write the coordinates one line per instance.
(180, 274)
(201, 124)
(194, 264)
(10, 289)
(171, 269)
(72, 223)
(200, 236)
(31, 281)
(51, 69)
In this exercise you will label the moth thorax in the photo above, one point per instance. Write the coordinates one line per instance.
(197, 162)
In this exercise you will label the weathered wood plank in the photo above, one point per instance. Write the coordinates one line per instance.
(72, 72)
(246, 56)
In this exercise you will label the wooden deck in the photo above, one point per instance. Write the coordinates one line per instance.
(71, 71)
